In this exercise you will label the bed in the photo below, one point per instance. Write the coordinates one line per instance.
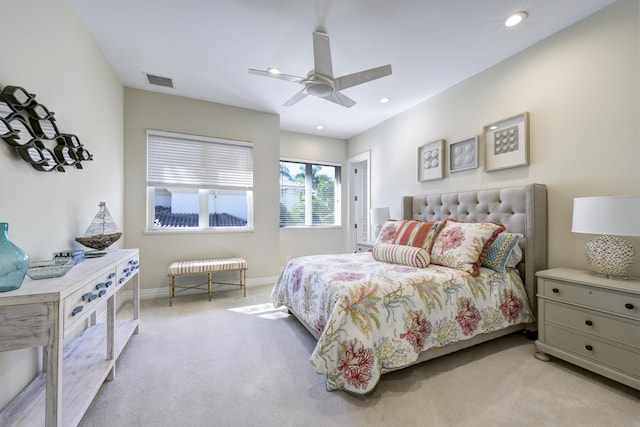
(405, 302)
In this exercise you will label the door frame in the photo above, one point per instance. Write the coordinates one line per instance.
(351, 211)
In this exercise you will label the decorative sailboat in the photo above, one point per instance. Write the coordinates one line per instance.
(102, 232)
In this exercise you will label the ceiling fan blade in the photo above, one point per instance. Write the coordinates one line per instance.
(280, 76)
(322, 55)
(360, 77)
(296, 98)
(340, 99)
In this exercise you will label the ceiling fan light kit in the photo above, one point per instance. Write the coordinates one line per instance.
(320, 82)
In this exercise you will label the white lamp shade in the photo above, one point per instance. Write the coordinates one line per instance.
(610, 215)
(379, 215)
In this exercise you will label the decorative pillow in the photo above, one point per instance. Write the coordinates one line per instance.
(388, 231)
(463, 245)
(418, 233)
(500, 251)
(515, 256)
(400, 254)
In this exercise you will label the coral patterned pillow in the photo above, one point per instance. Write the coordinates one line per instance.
(401, 254)
(463, 245)
(388, 231)
(418, 233)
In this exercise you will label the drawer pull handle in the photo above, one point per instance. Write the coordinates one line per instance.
(77, 310)
(122, 279)
(102, 292)
(589, 323)
(109, 283)
(629, 306)
(111, 275)
(588, 347)
(555, 290)
(100, 285)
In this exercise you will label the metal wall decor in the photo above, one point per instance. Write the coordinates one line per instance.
(30, 128)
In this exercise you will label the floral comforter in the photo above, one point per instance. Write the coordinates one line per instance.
(374, 317)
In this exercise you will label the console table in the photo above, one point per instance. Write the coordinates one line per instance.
(45, 312)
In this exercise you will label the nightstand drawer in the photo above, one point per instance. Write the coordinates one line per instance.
(364, 246)
(615, 329)
(594, 349)
(615, 302)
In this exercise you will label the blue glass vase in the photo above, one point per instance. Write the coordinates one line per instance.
(13, 262)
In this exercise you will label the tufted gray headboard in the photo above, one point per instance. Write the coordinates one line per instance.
(521, 209)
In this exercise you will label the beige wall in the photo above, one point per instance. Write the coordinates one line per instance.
(296, 242)
(581, 87)
(50, 53)
(147, 110)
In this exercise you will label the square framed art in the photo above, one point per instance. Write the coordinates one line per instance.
(431, 161)
(463, 154)
(506, 143)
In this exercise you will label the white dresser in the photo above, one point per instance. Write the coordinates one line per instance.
(590, 321)
(44, 312)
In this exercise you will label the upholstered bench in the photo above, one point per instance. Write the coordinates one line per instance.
(208, 267)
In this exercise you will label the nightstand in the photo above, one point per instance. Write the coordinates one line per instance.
(364, 246)
(590, 321)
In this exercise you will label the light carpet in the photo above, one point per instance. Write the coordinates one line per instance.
(236, 361)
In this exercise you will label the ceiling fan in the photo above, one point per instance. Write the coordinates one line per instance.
(320, 81)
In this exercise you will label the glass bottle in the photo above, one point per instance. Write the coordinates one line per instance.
(13, 261)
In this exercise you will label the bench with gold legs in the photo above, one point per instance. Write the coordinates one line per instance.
(208, 267)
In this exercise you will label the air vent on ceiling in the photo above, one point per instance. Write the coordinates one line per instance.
(159, 80)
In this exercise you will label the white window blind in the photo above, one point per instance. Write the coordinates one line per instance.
(178, 160)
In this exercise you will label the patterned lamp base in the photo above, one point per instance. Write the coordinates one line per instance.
(609, 255)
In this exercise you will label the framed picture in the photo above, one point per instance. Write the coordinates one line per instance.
(506, 143)
(463, 154)
(431, 161)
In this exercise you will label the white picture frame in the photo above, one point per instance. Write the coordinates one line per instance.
(506, 143)
(463, 155)
(431, 160)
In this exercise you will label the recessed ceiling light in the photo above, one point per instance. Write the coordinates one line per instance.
(319, 127)
(273, 70)
(385, 100)
(515, 19)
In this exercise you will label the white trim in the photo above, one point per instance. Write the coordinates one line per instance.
(163, 292)
(193, 137)
(313, 162)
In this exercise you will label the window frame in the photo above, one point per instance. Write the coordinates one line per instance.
(203, 190)
(309, 164)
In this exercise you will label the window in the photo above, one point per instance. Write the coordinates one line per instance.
(309, 194)
(198, 183)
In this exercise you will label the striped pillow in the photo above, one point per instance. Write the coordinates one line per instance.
(400, 254)
(420, 234)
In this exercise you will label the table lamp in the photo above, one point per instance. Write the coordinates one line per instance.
(378, 217)
(608, 217)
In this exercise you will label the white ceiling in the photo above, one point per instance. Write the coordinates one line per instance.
(207, 46)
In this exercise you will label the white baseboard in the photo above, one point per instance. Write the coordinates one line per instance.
(163, 292)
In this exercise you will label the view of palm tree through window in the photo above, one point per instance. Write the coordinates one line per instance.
(308, 194)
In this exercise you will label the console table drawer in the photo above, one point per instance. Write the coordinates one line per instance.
(590, 347)
(615, 302)
(126, 270)
(617, 329)
(79, 304)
